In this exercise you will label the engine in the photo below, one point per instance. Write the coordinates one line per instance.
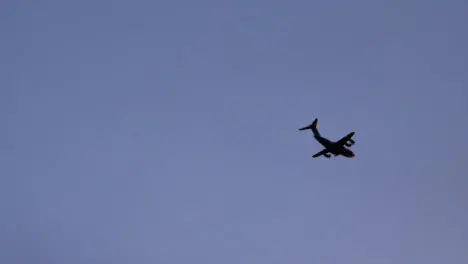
(350, 142)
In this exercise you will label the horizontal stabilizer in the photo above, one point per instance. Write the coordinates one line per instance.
(312, 127)
(305, 128)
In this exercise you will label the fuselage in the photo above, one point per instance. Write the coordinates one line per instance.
(334, 148)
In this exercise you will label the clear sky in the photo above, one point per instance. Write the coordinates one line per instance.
(166, 132)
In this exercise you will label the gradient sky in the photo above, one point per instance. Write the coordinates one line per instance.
(166, 132)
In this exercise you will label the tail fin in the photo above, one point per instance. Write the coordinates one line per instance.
(312, 127)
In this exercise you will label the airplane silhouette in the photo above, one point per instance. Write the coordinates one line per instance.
(335, 148)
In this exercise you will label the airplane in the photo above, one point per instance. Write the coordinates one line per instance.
(335, 148)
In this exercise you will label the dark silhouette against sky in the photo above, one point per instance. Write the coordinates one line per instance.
(166, 132)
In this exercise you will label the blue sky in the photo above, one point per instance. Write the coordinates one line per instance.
(166, 131)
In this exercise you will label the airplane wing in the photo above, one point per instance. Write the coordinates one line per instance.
(345, 139)
(320, 153)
